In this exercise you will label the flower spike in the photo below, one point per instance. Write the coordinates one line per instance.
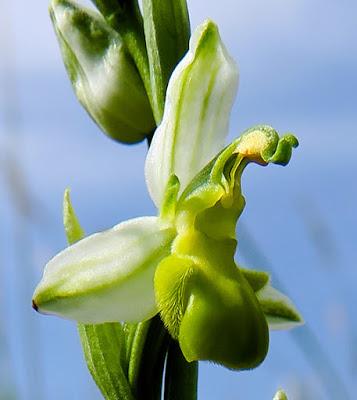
(181, 263)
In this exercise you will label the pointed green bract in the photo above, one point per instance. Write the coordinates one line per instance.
(102, 72)
(279, 310)
(199, 98)
(167, 33)
(73, 229)
(107, 276)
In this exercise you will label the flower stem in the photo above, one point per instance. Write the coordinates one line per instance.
(147, 362)
(181, 376)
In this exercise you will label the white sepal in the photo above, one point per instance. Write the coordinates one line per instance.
(108, 276)
(199, 98)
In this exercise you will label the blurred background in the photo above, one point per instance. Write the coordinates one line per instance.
(298, 71)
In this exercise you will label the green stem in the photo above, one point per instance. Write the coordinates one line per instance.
(167, 34)
(147, 360)
(181, 376)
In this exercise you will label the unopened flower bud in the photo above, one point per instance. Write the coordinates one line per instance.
(102, 72)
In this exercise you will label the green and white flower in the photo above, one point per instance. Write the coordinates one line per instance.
(181, 263)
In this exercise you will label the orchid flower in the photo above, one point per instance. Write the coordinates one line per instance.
(180, 263)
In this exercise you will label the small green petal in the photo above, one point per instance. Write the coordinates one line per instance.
(168, 208)
(102, 72)
(199, 98)
(256, 279)
(279, 310)
(108, 276)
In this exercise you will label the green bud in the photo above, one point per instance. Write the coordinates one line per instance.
(102, 72)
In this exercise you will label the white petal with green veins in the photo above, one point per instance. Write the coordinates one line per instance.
(199, 98)
(108, 276)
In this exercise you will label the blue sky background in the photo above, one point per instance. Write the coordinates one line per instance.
(298, 64)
